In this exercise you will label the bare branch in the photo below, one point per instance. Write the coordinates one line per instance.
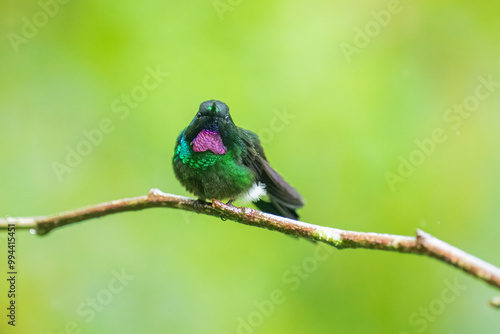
(423, 244)
(458, 258)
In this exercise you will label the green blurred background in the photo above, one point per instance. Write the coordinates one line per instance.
(351, 118)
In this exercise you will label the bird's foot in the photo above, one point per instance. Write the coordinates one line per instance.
(199, 204)
(230, 202)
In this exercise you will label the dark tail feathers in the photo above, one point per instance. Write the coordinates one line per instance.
(277, 209)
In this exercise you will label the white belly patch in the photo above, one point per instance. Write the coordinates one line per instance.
(254, 194)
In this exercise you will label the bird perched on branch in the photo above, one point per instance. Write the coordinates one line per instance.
(216, 159)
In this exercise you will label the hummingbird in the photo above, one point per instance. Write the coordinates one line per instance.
(216, 159)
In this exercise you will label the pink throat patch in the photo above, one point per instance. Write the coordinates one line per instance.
(208, 140)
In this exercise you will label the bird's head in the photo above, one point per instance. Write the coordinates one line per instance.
(212, 128)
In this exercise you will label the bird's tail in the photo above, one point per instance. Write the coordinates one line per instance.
(276, 208)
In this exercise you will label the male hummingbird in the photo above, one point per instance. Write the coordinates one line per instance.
(216, 159)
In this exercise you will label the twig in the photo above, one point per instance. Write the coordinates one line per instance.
(423, 244)
(495, 302)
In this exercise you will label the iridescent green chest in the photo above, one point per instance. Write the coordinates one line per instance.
(209, 175)
(197, 160)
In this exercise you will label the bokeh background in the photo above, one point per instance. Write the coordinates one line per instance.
(349, 119)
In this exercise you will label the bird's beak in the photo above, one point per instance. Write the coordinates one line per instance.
(213, 112)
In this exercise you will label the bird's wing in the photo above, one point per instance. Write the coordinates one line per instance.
(279, 191)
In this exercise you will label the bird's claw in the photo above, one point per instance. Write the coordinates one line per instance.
(198, 205)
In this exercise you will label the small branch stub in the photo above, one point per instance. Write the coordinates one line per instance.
(495, 302)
